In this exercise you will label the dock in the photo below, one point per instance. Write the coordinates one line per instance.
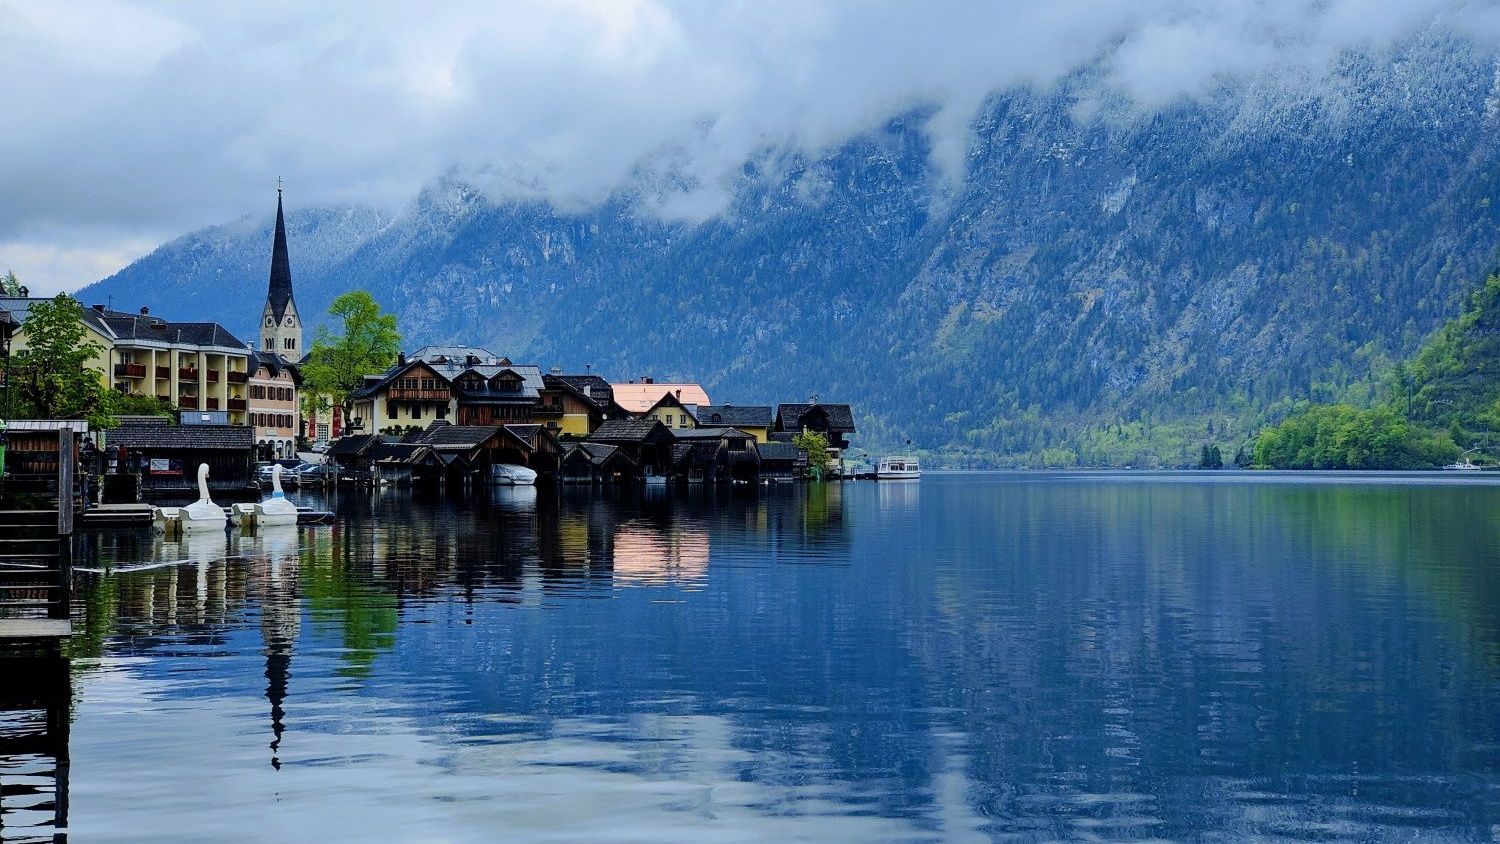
(36, 561)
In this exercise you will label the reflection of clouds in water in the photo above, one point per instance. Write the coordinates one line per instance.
(650, 556)
(676, 778)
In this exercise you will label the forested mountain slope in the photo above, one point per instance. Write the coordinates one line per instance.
(1101, 286)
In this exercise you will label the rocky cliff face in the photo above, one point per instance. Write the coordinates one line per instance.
(1098, 285)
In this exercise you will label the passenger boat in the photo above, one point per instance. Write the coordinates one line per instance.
(898, 468)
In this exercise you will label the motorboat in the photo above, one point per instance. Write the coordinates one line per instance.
(277, 509)
(509, 474)
(898, 469)
(1466, 466)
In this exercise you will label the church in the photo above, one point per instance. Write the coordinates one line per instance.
(274, 385)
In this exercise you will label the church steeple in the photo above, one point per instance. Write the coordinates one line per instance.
(281, 327)
(280, 288)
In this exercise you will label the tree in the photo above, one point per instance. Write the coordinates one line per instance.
(1211, 457)
(9, 284)
(368, 345)
(52, 379)
(816, 447)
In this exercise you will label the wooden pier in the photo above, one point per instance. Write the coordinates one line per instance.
(36, 557)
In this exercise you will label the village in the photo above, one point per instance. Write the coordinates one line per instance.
(438, 416)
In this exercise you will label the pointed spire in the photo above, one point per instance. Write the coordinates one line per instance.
(279, 292)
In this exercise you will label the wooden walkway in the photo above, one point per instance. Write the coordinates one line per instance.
(36, 564)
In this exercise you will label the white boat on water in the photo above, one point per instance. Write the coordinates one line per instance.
(898, 468)
(1465, 466)
(512, 475)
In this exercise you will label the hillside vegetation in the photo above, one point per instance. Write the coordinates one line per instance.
(1106, 288)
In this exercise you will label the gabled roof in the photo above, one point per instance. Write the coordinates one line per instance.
(590, 388)
(694, 454)
(457, 355)
(279, 289)
(639, 398)
(596, 453)
(777, 451)
(354, 445)
(134, 435)
(840, 416)
(709, 433)
(734, 416)
(529, 374)
(669, 400)
(626, 430)
(464, 437)
(276, 364)
(373, 385)
(399, 452)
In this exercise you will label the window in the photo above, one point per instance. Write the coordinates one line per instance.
(416, 411)
(270, 323)
(669, 420)
(290, 343)
(270, 344)
(323, 431)
(390, 410)
(442, 411)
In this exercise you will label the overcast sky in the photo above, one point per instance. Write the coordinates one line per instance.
(129, 123)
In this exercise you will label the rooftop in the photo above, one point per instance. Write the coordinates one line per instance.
(639, 398)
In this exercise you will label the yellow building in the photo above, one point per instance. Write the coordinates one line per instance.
(752, 419)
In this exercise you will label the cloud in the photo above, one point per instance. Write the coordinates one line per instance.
(129, 120)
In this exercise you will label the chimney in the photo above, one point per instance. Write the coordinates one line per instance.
(99, 308)
(679, 394)
(401, 358)
(145, 311)
(646, 379)
(556, 370)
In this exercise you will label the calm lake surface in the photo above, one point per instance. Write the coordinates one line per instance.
(979, 657)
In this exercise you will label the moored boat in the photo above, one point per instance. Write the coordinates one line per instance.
(898, 468)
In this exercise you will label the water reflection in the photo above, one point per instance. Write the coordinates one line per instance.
(35, 713)
(961, 657)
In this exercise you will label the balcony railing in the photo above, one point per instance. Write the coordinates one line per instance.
(548, 411)
(131, 370)
(212, 403)
(164, 372)
(213, 376)
(407, 394)
(236, 404)
(187, 374)
(238, 377)
(187, 402)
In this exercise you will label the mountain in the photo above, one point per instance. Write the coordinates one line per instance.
(1102, 286)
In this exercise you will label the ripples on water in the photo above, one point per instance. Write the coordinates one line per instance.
(988, 657)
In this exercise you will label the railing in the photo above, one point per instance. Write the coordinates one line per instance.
(213, 376)
(131, 370)
(235, 404)
(187, 402)
(186, 374)
(548, 411)
(36, 547)
(213, 403)
(164, 372)
(237, 377)
(407, 394)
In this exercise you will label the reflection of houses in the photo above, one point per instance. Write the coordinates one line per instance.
(645, 441)
(591, 462)
(650, 556)
(711, 455)
(167, 455)
(756, 420)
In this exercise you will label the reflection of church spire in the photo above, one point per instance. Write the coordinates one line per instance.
(280, 620)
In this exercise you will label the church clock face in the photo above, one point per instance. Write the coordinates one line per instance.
(270, 323)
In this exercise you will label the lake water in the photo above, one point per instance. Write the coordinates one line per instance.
(1006, 657)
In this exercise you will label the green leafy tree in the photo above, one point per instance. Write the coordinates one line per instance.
(367, 345)
(51, 375)
(815, 445)
(1345, 437)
